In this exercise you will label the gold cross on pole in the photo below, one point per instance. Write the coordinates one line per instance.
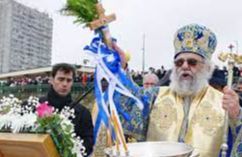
(231, 59)
(103, 20)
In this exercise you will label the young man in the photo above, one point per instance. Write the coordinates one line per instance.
(59, 96)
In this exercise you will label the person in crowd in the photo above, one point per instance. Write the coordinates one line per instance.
(150, 80)
(238, 88)
(59, 96)
(189, 110)
(218, 80)
(165, 81)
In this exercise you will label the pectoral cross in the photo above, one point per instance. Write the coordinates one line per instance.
(103, 21)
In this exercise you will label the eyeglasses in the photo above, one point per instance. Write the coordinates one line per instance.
(149, 84)
(190, 61)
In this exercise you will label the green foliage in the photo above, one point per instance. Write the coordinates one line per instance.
(60, 135)
(84, 10)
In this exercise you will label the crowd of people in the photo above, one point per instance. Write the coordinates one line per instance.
(162, 73)
(83, 78)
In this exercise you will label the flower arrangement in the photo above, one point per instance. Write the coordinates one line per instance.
(35, 117)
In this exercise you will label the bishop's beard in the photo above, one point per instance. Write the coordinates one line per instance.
(189, 87)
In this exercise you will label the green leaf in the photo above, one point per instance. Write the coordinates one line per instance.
(84, 10)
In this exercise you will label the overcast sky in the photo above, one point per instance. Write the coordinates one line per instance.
(157, 19)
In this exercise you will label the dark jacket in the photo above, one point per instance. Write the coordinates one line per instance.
(82, 121)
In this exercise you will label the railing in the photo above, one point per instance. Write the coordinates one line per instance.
(25, 91)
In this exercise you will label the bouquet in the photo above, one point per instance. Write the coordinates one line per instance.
(35, 117)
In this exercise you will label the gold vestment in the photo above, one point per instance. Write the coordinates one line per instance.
(205, 120)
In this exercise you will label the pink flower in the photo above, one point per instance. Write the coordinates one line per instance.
(44, 110)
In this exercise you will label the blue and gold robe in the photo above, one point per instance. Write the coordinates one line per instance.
(204, 129)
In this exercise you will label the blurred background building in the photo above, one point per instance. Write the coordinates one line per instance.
(25, 37)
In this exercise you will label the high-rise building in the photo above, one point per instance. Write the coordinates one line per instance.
(25, 37)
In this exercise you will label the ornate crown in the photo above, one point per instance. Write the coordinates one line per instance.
(196, 39)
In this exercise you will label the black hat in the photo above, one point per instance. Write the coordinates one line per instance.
(218, 78)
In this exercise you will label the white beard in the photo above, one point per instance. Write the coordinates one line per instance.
(189, 87)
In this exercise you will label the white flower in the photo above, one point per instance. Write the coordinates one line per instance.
(78, 147)
(17, 124)
(30, 120)
(17, 119)
(5, 121)
(67, 112)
